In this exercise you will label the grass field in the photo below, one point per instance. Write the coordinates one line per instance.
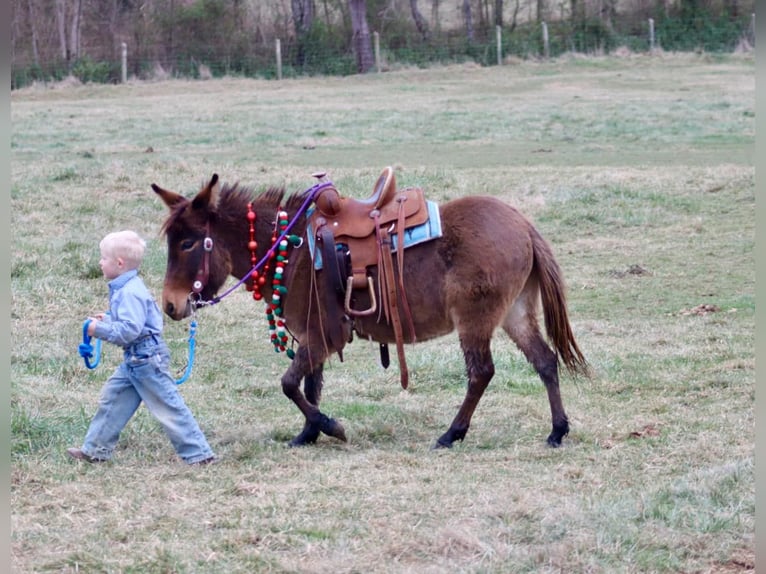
(640, 172)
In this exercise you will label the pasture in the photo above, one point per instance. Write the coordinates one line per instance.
(639, 170)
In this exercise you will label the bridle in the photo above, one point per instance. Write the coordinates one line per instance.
(203, 273)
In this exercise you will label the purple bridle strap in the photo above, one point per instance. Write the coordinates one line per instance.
(311, 194)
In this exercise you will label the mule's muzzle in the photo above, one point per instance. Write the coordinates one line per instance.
(177, 311)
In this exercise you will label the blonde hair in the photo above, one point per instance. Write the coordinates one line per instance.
(126, 245)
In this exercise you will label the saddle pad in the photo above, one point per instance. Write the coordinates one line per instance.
(431, 229)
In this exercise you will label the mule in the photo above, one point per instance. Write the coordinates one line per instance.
(490, 268)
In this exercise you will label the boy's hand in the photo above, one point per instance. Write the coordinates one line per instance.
(92, 324)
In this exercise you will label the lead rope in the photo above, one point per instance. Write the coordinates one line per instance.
(87, 351)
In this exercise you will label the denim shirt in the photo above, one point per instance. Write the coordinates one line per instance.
(133, 313)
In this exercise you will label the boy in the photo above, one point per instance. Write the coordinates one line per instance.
(135, 323)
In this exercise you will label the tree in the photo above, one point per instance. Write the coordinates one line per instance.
(304, 12)
(420, 22)
(360, 36)
(468, 20)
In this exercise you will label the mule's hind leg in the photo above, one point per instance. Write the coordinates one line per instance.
(522, 327)
(481, 369)
(316, 421)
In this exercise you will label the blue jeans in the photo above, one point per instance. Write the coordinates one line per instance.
(145, 376)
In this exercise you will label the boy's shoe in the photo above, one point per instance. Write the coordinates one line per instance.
(211, 460)
(80, 455)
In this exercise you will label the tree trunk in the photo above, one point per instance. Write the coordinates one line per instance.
(304, 12)
(468, 20)
(498, 12)
(33, 26)
(420, 22)
(74, 32)
(435, 16)
(61, 26)
(360, 36)
(512, 27)
(541, 11)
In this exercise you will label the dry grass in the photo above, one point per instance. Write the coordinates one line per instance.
(638, 170)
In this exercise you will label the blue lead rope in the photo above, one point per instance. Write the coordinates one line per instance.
(192, 346)
(87, 350)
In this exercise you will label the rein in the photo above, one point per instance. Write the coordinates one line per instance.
(310, 193)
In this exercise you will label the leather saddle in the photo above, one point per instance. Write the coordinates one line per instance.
(354, 222)
(357, 234)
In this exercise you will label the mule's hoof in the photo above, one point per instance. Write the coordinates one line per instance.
(449, 438)
(554, 439)
(308, 435)
(332, 428)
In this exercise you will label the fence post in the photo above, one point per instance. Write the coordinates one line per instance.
(124, 63)
(499, 39)
(546, 42)
(651, 34)
(278, 48)
(376, 44)
(752, 23)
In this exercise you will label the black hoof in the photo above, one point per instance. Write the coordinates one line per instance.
(332, 428)
(558, 433)
(449, 437)
(308, 435)
(310, 432)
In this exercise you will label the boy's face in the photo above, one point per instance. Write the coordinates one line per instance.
(111, 266)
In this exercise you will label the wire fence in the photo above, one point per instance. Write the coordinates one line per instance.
(278, 58)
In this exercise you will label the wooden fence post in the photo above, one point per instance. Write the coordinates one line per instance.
(546, 42)
(279, 58)
(651, 34)
(499, 40)
(376, 45)
(752, 26)
(124, 63)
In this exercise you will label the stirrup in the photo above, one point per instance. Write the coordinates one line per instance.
(371, 290)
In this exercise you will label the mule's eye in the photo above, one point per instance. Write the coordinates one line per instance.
(187, 244)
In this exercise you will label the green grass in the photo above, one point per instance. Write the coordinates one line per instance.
(640, 173)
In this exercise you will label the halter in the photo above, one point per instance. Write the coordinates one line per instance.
(204, 271)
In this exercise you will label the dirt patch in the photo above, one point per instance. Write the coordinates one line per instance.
(635, 269)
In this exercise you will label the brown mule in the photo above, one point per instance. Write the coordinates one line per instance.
(489, 269)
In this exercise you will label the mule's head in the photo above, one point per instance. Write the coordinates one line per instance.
(197, 265)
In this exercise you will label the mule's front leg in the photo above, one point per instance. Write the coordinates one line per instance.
(316, 421)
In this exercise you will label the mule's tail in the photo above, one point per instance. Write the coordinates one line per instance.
(554, 303)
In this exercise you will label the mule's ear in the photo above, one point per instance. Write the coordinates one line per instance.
(171, 198)
(208, 196)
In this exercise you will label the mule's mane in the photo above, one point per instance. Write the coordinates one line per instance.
(234, 199)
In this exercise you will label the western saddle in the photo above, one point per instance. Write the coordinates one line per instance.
(354, 235)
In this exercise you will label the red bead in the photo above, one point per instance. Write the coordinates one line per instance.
(261, 281)
(251, 216)
(257, 295)
(252, 245)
